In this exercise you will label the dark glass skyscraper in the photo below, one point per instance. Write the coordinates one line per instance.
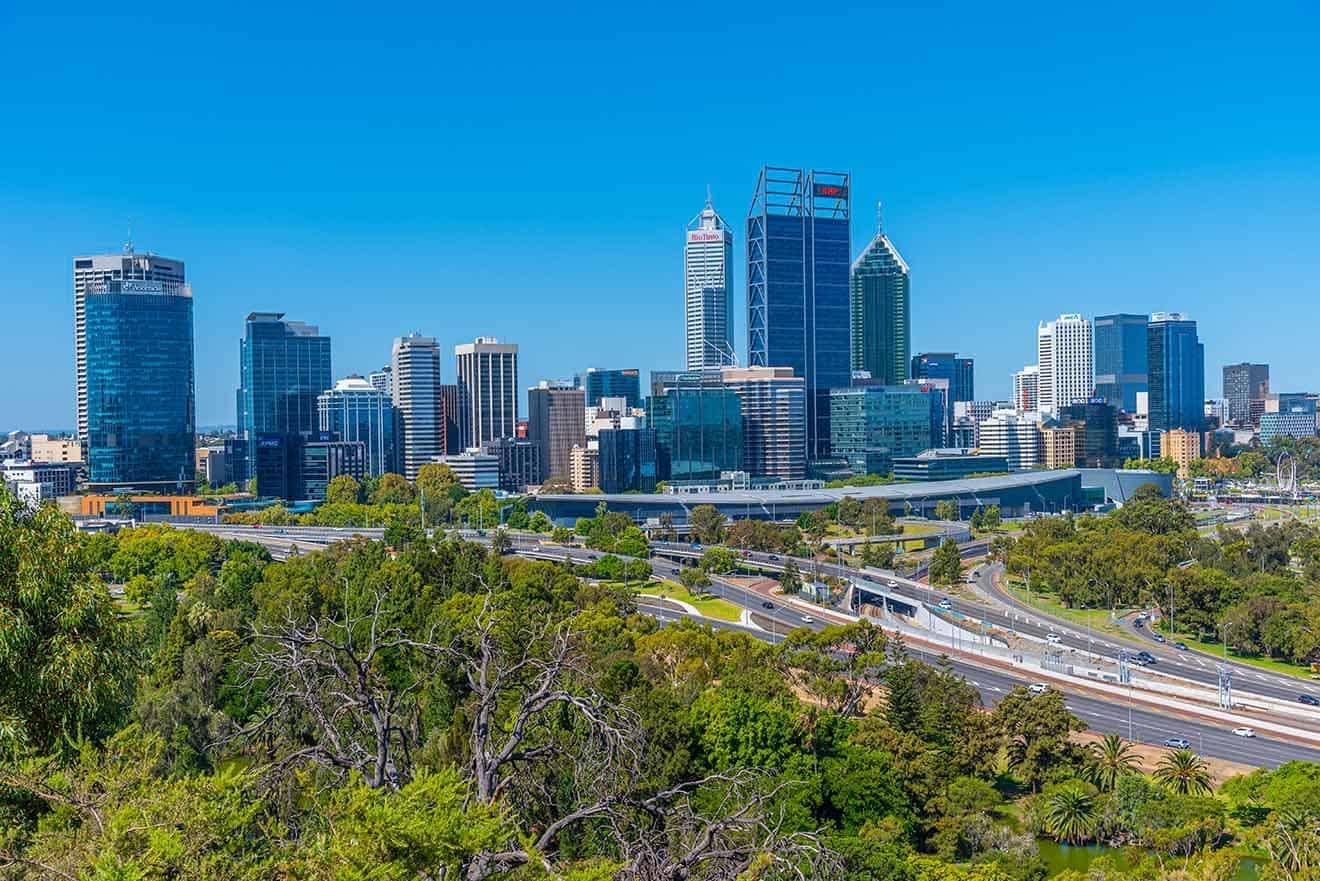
(284, 366)
(139, 384)
(1120, 359)
(960, 372)
(614, 384)
(798, 254)
(1245, 388)
(698, 432)
(1175, 361)
(880, 311)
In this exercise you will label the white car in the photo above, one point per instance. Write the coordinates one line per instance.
(1054, 639)
(1244, 731)
(945, 604)
(807, 619)
(1038, 688)
(891, 583)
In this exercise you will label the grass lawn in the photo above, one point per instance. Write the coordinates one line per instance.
(711, 607)
(1098, 618)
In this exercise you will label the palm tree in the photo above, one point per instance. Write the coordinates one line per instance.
(1070, 815)
(1110, 760)
(1184, 772)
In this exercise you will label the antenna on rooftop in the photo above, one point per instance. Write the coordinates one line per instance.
(879, 218)
(128, 246)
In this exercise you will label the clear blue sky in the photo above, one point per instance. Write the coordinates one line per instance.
(525, 171)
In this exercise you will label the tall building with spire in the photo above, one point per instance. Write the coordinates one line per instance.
(880, 316)
(708, 290)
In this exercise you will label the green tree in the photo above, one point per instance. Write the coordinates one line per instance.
(1039, 729)
(790, 582)
(946, 564)
(342, 490)
(707, 524)
(540, 522)
(719, 561)
(1109, 760)
(392, 489)
(878, 555)
(694, 578)
(65, 654)
(1183, 772)
(946, 509)
(434, 480)
(1071, 813)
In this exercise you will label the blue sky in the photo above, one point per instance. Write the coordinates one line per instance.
(524, 171)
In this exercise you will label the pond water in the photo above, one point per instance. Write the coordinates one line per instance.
(1075, 856)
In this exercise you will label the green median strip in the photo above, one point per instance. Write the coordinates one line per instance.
(711, 607)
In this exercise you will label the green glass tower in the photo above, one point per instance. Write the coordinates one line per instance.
(881, 317)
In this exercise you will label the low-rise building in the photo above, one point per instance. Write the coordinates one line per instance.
(1014, 436)
(947, 464)
(584, 468)
(1058, 446)
(56, 449)
(1182, 447)
(520, 462)
(35, 482)
(474, 469)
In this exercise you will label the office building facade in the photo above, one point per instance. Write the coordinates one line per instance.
(1120, 359)
(382, 380)
(284, 366)
(95, 270)
(487, 390)
(626, 384)
(708, 291)
(1182, 447)
(946, 465)
(627, 460)
(1245, 388)
(1014, 436)
(556, 422)
(774, 418)
(136, 384)
(1065, 361)
(356, 411)
(879, 309)
(1095, 423)
(520, 462)
(960, 373)
(698, 432)
(873, 424)
(798, 262)
(1026, 389)
(417, 402)
(323, 458)
(1175, 361)
(475, 470)
(584, 468)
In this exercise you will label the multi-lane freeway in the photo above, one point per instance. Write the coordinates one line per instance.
(1106, 715)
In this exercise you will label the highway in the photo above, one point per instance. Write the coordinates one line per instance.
(1102, 715)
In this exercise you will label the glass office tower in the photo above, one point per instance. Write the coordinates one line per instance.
(880, 311)
(141, 429)
(698, 432)
(614, 384)
(1175, 360)
(1120, 359)
(284, 366)
(355, 411)
(873, 424)
(798, 255)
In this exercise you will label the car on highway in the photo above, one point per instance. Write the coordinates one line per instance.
(1309, 700)
(774, 558)
(767, 605)
(1180, 646)
(807, 619)
(1143, 659)
(1053, 638)
(1157, 637)
(1038, 688)
(1243, 731)
(1177, 743)
(1138, 622)
(891, 583)
(945, 604)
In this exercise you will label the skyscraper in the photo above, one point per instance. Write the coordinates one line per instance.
(798, 254)
(417, 400)
(98, 268)
(355, 411)
(774, 416)
(1175, 361)
(880, 311)
(284, 366)
(708, 290)
(625, 384)
(1067, 367)
(135, 381)
(382, 380)
(1120, 359)
(698, 431)
(487, 390)
(556, 422)
(1245, 388)
(1026, 389)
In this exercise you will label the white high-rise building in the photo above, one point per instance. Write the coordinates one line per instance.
(382, 380)
(1013, 435)
(1066, 361)
(415, 370)
(487, 391)
(708, 291)
(99, 268)
(1026, 389)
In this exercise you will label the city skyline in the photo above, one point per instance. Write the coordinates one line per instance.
(1021, 176)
